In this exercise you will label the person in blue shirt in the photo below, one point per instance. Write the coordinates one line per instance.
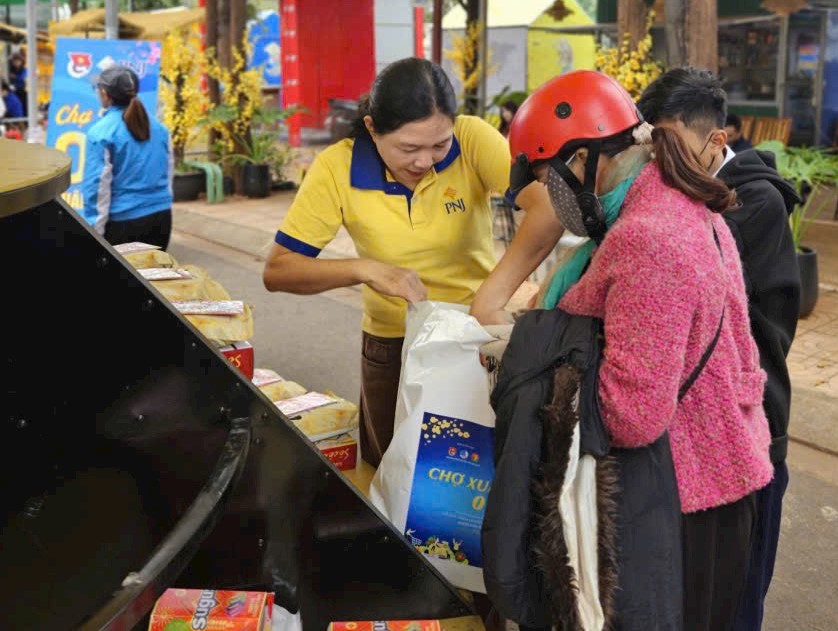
(127, 184)
(18, 77)
(14, 108)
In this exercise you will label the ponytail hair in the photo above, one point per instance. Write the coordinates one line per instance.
(136, 119)
(359, 127)
(682, 171)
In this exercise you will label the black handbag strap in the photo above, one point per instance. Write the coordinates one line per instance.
(685, 387)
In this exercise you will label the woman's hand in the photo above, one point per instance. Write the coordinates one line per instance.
(390, 280)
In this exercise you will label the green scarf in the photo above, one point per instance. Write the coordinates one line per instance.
(569, 273)
(626, 168)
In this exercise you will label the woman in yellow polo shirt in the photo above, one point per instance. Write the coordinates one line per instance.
(412, 189)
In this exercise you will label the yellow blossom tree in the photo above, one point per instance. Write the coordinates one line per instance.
(241, 98)
(633, 69)
(465, 53)
(184, 101)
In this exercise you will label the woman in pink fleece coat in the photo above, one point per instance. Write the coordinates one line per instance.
(667, 282)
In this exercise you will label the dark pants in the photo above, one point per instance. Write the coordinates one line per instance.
(381, 365)
(154, 229)
(763, 551)
(649, 540)
(717, 544)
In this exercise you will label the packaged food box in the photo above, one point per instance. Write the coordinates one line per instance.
(187, 609)
(320, 415)
(142, 255)
(341, 450)
(387, 625)
(181, 286)
(223, 322)
(265, 376)
(240, 354)
(282, 390)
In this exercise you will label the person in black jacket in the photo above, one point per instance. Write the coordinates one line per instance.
(694, 102)
(735, 139)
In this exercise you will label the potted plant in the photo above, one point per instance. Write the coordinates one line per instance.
(256, 163)
(258, 152)
(813, 171)
(184, 106)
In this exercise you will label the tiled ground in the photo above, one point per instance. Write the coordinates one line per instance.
(813, 360)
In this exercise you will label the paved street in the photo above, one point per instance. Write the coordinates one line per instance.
(315, 340)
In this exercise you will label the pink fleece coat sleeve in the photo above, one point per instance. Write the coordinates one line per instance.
(649, 304)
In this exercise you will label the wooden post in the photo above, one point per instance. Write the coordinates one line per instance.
(436, 46)
(223, 48)
(470, 96)
(676, 50)
(692, 33)
(211, 41)
(631, 21)
(238, 26)
(701, 34)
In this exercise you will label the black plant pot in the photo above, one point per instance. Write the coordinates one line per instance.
(256, 180)
(284, 185)
(807, 261)
(187, 187)
(229, 186)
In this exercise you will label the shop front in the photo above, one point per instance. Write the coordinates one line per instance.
(777, 69)
(771, 67)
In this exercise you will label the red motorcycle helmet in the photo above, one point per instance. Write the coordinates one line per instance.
(579, 105)
(583, 108)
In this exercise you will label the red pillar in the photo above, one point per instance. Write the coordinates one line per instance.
(203, 29)
(419, 31)
(290, 66)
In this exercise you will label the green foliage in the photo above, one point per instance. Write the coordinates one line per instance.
(812, 170)
(262, 145)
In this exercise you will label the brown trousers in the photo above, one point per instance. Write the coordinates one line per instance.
(381, 365)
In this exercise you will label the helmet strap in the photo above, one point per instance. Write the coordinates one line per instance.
(593, 216)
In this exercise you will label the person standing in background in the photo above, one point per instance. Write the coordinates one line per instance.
(12, 104)
(17, 78)
(735, 139)
(693, 103)
(507, 113)
(127, 184)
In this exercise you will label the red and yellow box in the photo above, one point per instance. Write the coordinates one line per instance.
(187, 609)
(240, 354)
(342, 451)
(387, 625)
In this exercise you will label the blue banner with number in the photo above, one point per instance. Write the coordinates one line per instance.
(74, 104)
(451, 481)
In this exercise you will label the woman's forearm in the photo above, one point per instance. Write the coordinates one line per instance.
(535, 239)
(298, 274)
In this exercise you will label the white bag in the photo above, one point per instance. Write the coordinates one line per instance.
(435, 476)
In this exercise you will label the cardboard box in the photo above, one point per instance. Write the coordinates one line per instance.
(341, 450)
(186, 609)
(240, 354)
(387, 625)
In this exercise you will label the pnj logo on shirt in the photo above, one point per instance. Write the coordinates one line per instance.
(455, 203)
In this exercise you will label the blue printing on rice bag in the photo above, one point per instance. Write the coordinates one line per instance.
(451, 482)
